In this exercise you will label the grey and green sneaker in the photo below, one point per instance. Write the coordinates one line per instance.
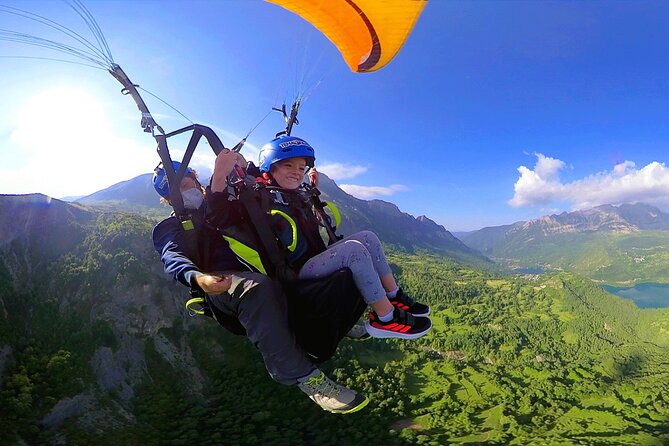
(358, 332)
(330, 395)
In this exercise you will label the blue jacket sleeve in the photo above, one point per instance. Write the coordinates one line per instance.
(166, 239)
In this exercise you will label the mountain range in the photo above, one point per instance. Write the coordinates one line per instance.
(393, 226)
(622, 244)
(396, 227)
(136, 195)
(619, 244)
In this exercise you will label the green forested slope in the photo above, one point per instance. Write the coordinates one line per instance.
(95, 349)
(614, 258)
(554, 360)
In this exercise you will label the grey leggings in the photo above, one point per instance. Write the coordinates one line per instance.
(362, 254)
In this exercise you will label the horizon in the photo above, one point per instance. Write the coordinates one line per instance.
(490, 114)
(76, 198)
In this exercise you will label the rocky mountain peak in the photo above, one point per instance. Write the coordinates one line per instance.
(384, 218)
(622, 219)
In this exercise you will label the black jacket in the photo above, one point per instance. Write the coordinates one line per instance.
(288, 213)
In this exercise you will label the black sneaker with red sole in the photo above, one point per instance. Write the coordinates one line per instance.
(406, 303)
(403, 325)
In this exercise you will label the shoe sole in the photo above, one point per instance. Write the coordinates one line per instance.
(386, 334)
(427, 313)
(358, 339)
(360, 406)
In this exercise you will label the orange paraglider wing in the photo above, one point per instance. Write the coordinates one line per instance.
(368, 33)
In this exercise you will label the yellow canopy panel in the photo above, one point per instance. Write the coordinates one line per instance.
(368, 33)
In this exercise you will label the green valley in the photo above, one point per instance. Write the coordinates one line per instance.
(622, 245)
(553, 360)
(614, 258)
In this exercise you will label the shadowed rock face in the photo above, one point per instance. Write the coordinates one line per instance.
(28, 223)
(5, 358)
(67, 270)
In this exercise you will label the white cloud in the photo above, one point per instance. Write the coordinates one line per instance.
(623, 168)
(548, 168)
(624, 183)
(338, 171)
(369, 192)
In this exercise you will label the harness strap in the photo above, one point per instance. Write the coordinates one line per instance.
(188, 219)
(319, 209)
(277, 262)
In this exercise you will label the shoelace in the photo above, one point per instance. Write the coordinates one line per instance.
(326, 387)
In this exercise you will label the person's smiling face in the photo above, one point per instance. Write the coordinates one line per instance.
(289, 173)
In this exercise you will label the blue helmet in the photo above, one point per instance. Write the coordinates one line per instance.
(160, 179)
(282, 148)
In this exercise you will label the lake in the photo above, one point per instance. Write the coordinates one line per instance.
(645, 295)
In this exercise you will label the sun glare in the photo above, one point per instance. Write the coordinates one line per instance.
(69, 144)
(56, 128)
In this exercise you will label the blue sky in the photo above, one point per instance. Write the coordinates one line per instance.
(492, 112)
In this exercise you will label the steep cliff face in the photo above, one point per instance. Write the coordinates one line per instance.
(84, 289)
(597, 219)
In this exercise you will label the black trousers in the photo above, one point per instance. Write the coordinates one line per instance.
(293, 331)
(261, 308)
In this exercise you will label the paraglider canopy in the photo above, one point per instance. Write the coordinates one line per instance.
(368, 33)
